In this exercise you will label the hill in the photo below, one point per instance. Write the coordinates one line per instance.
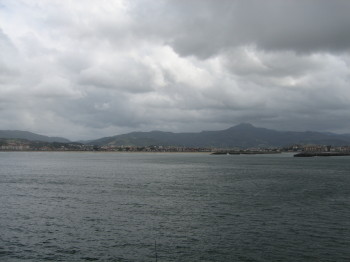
(30, 136)
(243, 135)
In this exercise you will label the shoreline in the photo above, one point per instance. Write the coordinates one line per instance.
(119, 152)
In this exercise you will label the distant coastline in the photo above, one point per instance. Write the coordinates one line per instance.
(242, 136)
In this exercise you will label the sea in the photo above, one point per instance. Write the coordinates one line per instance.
(66, 206)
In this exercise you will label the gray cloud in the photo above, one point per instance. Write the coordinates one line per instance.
(207, 28)
(107, 67)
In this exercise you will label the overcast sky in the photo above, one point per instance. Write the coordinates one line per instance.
(93, 68)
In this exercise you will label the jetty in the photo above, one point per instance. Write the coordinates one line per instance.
(313, 154)
(241, 152)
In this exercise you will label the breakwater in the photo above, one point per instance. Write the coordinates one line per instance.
(313, 154)
(245, 152)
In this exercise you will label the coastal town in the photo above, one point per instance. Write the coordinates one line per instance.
(25, 145)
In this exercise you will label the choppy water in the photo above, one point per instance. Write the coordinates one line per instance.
(197, 207)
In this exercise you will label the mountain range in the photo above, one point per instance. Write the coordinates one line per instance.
(243, 136)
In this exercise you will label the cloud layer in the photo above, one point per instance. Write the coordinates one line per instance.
(97, 68)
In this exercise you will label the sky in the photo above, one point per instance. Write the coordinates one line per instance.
(94, 68)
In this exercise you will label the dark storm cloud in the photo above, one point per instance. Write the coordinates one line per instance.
(204, 28)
